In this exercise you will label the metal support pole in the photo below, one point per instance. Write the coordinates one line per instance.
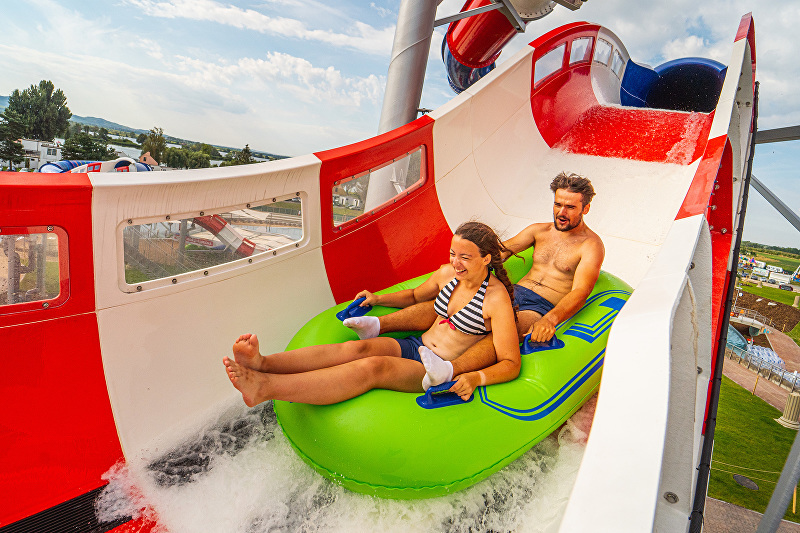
(777, 203)
(412, 44)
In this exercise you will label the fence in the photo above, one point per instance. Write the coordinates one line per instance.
(749, 313)
(784, 378)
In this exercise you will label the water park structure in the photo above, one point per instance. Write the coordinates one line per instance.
(112, 308)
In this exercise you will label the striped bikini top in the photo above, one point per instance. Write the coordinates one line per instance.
(469, 319)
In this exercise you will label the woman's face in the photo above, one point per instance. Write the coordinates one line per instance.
(466, 258)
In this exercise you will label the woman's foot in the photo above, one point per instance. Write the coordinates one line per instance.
(251, 384)
(245, 351)
(366, 327)
(437, 370)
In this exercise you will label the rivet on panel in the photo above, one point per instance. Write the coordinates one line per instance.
(138, 287)
(724, 230)
(130, 221)
(174, 280)
(671, 497)
(205, 272)
(167, 217)
(49, 228)
(248, 205)
(250, 260)
(274, 199)
(45, 305)
(202, 213)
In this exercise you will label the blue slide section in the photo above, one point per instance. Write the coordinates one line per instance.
(461, 76)
(686, 84)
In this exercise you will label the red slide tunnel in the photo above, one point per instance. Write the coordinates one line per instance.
(473, 44)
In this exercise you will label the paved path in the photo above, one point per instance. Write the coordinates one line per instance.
(768, 391)
(724, 517)
(786, 348)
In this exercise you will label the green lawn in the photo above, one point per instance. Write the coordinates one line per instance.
(786, 263)
(770, 291)
(748, 442)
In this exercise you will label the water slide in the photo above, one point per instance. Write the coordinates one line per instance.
(111, 369)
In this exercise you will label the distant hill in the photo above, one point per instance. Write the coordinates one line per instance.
(103, 123)
(107, 124)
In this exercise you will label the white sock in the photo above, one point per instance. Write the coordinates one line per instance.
(367, 327)
(437, 370)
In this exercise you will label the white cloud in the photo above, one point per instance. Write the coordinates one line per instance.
(382, 11)
(362, 37)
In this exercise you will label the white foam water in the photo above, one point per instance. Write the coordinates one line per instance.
(240, 474)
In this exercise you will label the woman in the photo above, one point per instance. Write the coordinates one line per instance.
(470, 301)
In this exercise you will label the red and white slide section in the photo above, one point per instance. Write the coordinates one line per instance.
(119, 366)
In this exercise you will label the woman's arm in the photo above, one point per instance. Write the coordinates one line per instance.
(497, 307)
(427, 291)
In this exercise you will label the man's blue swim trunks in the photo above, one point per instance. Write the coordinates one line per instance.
(527, 300)
(409, 348)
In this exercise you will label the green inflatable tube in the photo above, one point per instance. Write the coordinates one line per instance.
(372, 444)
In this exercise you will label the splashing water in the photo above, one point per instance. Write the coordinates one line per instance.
(240, 474)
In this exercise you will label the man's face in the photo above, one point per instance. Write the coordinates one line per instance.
(568, 210)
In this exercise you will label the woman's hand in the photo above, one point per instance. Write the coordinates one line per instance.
(465, 385)
(369, 298)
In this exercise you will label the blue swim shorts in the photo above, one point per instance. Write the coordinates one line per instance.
(409, 348)
(527, 300)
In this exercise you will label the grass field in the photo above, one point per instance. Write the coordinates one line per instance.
(786, 263)
(748, 442)
(771, 292)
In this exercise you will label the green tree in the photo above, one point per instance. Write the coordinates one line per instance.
(141, 138)
(12, 127)
(245, 157)
(83, 146)
(43, 108)
(155, 144)
(206, 149)
(102, 134)
(176, 158)
(199, 160)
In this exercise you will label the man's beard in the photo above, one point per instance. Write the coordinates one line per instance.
(568, 226)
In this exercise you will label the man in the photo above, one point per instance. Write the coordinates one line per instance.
(566, 263)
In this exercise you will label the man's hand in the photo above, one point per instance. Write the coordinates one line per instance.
(542, 330)
(369, 298)
(465, 385)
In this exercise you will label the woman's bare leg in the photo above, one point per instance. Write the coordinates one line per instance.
(327, 385)
(246, 354)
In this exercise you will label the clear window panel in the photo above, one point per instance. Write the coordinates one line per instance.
(377, 188)
(617, 63)
(549, 63)
(602, 52)
(29, 268)
(164, 249)
(581, 49)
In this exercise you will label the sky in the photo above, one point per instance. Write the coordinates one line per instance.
(297, 76)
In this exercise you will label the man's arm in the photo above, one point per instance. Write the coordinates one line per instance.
(522, 240)
(586, 274)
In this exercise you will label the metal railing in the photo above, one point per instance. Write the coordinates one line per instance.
(774, 373)
(755, 315)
